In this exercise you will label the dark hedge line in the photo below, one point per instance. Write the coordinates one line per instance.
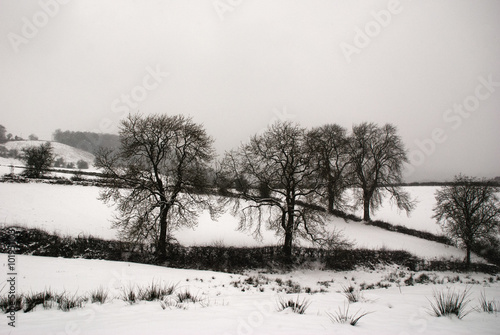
(30, 241)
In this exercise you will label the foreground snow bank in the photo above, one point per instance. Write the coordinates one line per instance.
(234, 304)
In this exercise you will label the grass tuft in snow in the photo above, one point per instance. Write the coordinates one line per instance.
(182, 300)
(156, 291)
(187, 296)
(351, 293)
(488, 306)
(10, 303)
(44, 298)
(450, 303)
(67, 302)
(131, 295)
(99, 295)
(343, 316)
(296, 305)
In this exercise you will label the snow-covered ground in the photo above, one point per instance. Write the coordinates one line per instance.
(231, 306)
(74, 210)
(67, 210)
(230, 303)
(420, 218)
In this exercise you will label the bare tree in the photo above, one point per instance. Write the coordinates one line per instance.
(377, 158)
(468, 211)
(330, 147)
(38, 159)
(158, 176)
(275, 175)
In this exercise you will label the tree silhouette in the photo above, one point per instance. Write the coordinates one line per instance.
(468, 211)
(37, 159)
(377, 158)
(330, 147)
(279, 175)
(158, 176)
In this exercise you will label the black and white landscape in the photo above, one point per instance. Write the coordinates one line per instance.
(249, 167)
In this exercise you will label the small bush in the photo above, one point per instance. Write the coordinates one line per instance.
(342, 316)
(423, 279)
(488, 306)
(410, 281)
(292, 287)
(381, 284)
(450, 303)
(82, 165)
(296, 305)
(365, 286)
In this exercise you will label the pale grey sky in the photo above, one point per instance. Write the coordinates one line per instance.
(237, 65)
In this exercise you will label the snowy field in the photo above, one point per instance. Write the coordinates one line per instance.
(75, 210)
(231, 303)
(229, 308)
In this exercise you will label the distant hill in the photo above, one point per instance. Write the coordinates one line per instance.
(86, 141)
(66, 152)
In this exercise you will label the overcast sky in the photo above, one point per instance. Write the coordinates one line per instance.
(432, 68)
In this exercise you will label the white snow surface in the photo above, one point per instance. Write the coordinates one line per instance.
(75, 210)
(229, 305)
(245, 309)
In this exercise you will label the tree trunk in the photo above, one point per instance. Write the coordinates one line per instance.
(287, 247)
(331, 198)
(162, 242)
(468, 257)
(366, 207)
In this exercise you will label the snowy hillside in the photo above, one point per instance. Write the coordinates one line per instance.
(75, 210)
(68, 153)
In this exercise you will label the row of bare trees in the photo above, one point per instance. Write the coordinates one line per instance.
(283, 179)
(162, 176)
(288, 170)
